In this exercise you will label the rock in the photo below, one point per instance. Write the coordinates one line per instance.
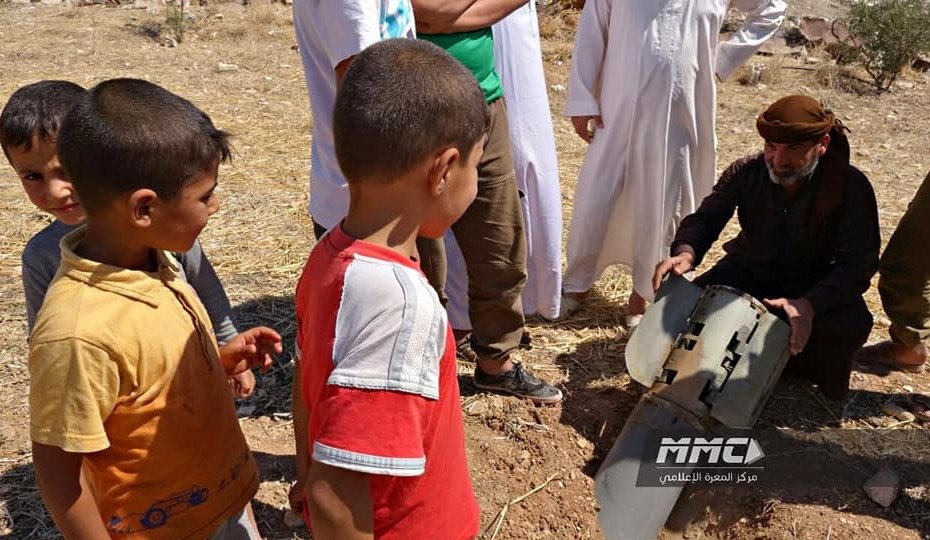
(897, 412)
(812, 60)
(167, 41)
(496, 403)
(582, 442)
(478, 408)
(558, 88)
(814, 28)
(908, 388)
(222, 67)
(882, 487)
(822, 29)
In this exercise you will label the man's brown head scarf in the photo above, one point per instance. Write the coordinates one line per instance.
(794, 119)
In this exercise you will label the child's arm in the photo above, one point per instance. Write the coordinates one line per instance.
(251, 348)
(69, 501)
(301, 417)
(340, 503)
(39, 265)
(35, 283)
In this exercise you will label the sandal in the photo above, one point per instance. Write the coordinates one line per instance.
(882, 354)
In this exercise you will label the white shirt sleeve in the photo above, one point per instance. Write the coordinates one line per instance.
(588, 59)
(390, 330)
(345, 27)
(763, 18)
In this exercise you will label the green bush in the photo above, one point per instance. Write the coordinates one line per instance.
(889, 34)
(175, 18)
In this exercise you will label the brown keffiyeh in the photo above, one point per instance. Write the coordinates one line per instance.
(794, 119)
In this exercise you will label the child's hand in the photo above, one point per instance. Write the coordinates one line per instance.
(251, 348)
(296, 497)
(243, 384)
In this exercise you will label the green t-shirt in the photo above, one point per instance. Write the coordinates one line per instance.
(475, 50)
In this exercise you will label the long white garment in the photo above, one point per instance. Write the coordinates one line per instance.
(518, 59)
(647, 68)
(327, 34)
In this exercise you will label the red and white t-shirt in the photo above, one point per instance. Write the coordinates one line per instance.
(379, 379)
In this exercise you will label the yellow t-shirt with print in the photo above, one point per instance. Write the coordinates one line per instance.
(124, 368)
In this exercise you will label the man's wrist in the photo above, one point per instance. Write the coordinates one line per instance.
(806, 305)
(809, 304)
(684, 249)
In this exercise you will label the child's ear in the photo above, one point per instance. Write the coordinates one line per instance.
(141, 203)
(443, 162)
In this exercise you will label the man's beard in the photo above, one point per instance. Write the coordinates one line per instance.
(799, 175)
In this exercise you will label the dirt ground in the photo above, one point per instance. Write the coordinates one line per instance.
(261, 237)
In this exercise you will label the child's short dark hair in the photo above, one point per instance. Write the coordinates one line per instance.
(128, 134)
(401, 100)
(36, 109)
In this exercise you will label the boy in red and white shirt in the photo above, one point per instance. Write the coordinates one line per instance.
(378, 372)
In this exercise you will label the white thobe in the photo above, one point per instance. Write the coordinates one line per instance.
(647, 68)
(518, 60)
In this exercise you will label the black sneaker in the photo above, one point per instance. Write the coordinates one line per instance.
(518, 382)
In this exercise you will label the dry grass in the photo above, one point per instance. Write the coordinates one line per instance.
(260, 239)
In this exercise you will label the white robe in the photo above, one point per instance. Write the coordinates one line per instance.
(647, 68)
(518, 59)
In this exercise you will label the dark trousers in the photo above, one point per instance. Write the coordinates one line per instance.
(493, 243)
(835, 334)
(318, 230)
(904, 284)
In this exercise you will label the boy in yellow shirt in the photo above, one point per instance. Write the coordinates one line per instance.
(134, 435)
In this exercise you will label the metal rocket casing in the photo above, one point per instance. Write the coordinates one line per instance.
(704, 354)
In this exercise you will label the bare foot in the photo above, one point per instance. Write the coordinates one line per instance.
(570, 303)
(635, 308)
(579, 296)
(895, 356)
(909, 357)
(636, 304)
